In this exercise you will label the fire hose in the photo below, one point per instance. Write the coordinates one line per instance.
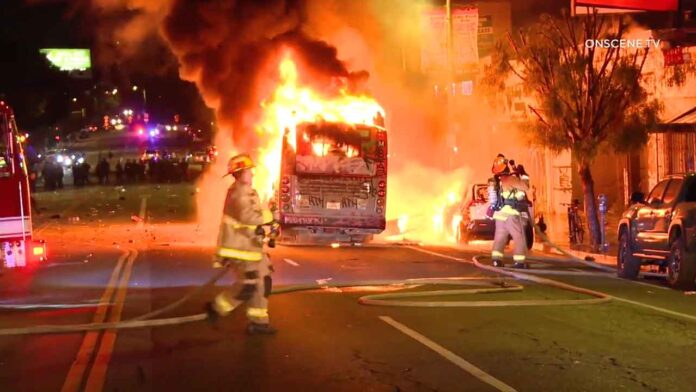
(492, 285)
(403, 299)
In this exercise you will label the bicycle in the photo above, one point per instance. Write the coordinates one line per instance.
(576, 232)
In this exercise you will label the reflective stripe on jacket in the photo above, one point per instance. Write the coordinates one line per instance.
(242, 214)
(513, 192)
(492, 193)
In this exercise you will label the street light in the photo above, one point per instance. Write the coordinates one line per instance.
(135, 88)
(114, 91)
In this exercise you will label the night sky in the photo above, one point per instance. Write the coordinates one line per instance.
(39, 94)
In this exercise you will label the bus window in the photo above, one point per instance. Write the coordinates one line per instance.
(335, 149)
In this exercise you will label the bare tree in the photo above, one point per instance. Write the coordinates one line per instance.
(586, 97)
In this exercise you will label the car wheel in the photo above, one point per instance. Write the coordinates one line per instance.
(529, 235)
(627, 265)
(681, 269)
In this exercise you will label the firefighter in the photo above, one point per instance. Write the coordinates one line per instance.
(509, 207)
(240, 244)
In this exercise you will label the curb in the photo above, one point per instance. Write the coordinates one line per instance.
(596, 257)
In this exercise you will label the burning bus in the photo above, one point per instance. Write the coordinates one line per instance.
(333, 182)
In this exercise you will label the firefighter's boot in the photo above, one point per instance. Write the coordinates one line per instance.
(213, 315)
(260, 329)
(498, 263)
(520, 265)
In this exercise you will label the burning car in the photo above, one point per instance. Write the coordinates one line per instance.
(475, 225)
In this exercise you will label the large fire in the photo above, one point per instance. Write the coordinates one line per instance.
(292, 104)
(423, 202)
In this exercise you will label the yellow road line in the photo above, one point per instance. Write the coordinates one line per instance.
(73, 381)
(97, 375)
(449, 355)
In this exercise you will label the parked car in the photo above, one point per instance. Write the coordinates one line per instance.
(200, 157)
(659, 230)
(476, 225)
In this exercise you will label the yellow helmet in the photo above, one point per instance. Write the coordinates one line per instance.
(238, 163)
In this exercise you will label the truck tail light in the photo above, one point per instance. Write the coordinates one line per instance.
(37, 251)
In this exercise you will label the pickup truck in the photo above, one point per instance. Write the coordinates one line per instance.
(659, 230)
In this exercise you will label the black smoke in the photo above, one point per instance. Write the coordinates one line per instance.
(230, 49)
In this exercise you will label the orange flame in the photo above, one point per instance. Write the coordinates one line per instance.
(425, 203)
(292, 104)
(421, 199)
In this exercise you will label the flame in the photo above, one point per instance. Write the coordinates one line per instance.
(292, 104)
(402, 223)
(425, 203)
(320, 148)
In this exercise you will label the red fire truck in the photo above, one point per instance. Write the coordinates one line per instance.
(17, 248)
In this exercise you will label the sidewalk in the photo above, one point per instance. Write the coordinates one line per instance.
(557, 231)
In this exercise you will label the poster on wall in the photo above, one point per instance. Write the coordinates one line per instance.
(434, 50)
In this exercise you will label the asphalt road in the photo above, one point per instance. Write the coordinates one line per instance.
(119, 253)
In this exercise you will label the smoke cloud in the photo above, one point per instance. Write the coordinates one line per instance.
(227, 49)
(230, 50)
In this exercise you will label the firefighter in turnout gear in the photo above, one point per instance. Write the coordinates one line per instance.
(240, 246)
(509, 206)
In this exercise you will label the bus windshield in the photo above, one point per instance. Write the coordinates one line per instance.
(330, 148)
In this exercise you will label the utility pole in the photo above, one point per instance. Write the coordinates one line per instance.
(450, 44)
(450, 83)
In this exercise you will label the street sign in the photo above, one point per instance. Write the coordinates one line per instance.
(485, 36)
(676, 56)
